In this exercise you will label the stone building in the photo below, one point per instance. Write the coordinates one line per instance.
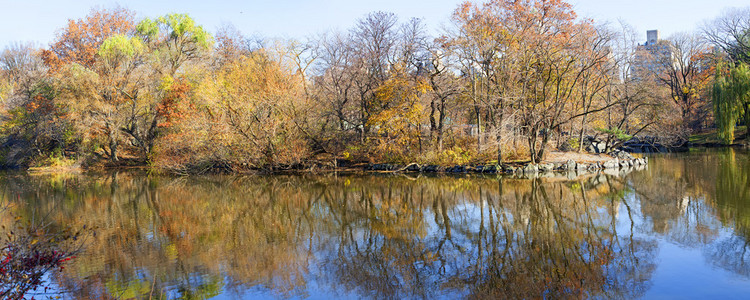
(652, 57)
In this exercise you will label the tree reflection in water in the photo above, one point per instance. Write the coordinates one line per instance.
(387, 236)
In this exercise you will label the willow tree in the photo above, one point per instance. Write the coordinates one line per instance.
(177, 38)
(731, 93)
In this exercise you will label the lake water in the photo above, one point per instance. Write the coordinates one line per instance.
(678, 229)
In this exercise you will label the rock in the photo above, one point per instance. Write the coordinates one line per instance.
(456, 169)
(490, 169)
(530, 169)
(546, 167)
(430, 169)
(621, 155)
(414, 168)
(610, 164)
(570, 165)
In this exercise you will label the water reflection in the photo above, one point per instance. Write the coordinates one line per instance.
(393, 236)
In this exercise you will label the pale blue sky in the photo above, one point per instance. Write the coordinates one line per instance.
(37, 20)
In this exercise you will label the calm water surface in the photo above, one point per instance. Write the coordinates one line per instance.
(677, 229)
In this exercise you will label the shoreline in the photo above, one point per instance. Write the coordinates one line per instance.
(557, 163)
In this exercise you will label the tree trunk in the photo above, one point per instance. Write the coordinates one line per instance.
(545, 139)
(499, 135)
(112, 132)
(580, 135)
(479, 127)
(441, 120)
(433, 124)
(532, 146)
(113, 150)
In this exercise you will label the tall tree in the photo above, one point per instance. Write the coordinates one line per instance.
(169, 42)
(95, 60)
(375, 46)
(731, 33)
(731, 96)
(685, 71)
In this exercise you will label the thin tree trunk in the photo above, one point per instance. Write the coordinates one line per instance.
(580, 135)
(499, 136)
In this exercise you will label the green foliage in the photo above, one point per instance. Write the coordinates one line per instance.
(120, 46)
(182, 25)
(177, 28)
(616, 133)
(148, 28)
(55, 159)
(731, 94)
(574, 143)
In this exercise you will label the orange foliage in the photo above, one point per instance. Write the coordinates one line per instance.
(79, 41)
(175, 94)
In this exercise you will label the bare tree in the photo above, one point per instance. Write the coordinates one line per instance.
(731, 33)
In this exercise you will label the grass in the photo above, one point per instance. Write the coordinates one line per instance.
(710, 136)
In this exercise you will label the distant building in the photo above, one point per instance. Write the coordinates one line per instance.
(652, 57)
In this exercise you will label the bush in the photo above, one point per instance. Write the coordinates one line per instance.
(31, 250)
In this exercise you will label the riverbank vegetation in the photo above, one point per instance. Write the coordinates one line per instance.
(507, 80)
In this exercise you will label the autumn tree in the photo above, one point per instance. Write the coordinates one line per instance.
(79, 41)
(375, 38)
(357, 72)
(400, 115)
(33, 115)
(686, 72)
(534, 56)
(170, 42)
(250, 110)
(95, 60)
